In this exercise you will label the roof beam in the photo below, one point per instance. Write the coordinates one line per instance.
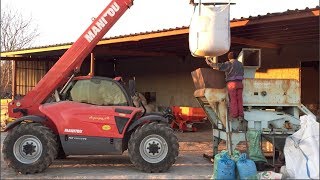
(151, 35)
(133, 53)
(35, 50)
(297, 25)
(255, 43)
(27, 59)
(110, 52)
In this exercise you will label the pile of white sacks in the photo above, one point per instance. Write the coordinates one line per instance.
(302, 151)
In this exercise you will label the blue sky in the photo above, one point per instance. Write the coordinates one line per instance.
(62, 21)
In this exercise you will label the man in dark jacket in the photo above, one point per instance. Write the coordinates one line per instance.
(234, 76)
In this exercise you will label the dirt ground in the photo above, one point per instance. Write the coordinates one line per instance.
(189, 165)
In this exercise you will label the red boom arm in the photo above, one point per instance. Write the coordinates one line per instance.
(71, 60)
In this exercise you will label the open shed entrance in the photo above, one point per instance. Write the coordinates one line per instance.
(309, 78)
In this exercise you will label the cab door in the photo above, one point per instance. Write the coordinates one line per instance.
(97, 99)
(93, 114)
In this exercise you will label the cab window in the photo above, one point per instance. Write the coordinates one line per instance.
(98, 92)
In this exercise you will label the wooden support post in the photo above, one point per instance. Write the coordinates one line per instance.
(92, 65)
(14, 81)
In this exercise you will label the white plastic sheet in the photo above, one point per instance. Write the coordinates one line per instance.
(269, 175)
(302, 150)
(209, 31)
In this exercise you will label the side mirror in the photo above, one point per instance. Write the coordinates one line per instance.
(132, 87)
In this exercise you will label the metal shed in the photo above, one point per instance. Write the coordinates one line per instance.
(161, 62)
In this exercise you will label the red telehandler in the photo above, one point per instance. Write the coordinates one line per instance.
(67, 115)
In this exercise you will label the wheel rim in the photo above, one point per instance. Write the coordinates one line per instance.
(153, 148)
(27, 149)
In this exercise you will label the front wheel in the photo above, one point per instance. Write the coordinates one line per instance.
(29, 148)
(153, 147)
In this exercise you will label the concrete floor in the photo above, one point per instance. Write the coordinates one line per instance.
(190, 165)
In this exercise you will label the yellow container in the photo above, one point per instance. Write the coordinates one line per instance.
(4, 112)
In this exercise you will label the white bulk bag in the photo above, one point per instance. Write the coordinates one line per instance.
(209, 31)
(301, 150)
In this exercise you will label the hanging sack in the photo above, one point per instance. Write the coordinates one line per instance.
(209, 31)
(255, 152)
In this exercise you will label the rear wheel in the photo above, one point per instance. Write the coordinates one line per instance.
(153, 147)
(29, 148)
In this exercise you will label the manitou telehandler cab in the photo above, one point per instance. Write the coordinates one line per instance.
(68, 115)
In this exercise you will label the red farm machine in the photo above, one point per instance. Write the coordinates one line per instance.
(185, 118)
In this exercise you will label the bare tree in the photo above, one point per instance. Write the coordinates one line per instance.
(17, 32)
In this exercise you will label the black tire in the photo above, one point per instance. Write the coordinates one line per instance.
(30, 137)
(164, 144)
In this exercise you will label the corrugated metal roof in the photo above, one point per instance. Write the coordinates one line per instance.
(233, 20)
(115, 37)
(258, 17)
(288, 12)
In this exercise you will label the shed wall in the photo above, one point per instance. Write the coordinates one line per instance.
(170, 77)
(29, 73)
